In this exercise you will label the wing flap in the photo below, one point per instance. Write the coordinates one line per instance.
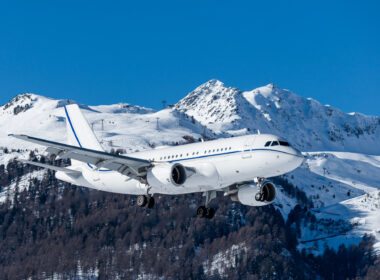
(70, 172)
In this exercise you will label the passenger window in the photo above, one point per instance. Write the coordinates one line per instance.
(274, 143)
(267, 144)
(283, 143)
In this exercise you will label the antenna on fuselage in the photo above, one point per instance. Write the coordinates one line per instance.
(258, 131)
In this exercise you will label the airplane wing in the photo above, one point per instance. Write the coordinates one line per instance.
(68, 171)
(97, 160)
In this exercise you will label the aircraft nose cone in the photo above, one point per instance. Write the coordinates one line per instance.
(298, 153)
(300, 157)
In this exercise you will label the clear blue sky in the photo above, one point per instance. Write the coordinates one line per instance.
(141, 52)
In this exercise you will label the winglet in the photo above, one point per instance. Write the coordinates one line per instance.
(11, 134)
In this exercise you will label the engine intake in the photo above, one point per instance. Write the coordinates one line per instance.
(167, 175)
(269, 191)
(246, 194)
(178, 174)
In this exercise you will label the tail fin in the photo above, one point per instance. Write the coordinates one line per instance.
(79, 133)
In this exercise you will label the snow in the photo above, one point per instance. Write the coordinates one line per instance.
(281, 112)
(341, 173)
(116, 126)
(224, 260)
(328, 177)
(361, 216)
(22, 184)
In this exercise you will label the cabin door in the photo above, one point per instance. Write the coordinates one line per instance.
(248, 147)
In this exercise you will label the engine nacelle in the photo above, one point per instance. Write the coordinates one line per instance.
(167, 174)
(246, 194)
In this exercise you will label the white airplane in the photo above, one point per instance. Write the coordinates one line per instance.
(236, 166)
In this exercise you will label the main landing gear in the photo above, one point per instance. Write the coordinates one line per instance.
(204, 211)
(145, 201)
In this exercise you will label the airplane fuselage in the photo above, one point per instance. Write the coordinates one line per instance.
(215, 164)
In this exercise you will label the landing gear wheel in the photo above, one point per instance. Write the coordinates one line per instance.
(263, 196)
(142, 200)
(210, 213)
(201, 211)
(150, 202)
(259, 196)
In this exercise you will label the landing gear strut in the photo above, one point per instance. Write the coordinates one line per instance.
(260, 195)
(204, 211)
(145, 201)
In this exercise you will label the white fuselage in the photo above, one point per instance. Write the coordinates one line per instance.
(217, 164)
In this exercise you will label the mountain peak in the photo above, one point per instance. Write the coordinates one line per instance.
(210, 86)
(21, 102)
(271, 109)
(25, 98)
(214, 82)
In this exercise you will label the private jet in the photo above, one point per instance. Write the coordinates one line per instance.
(238, 166)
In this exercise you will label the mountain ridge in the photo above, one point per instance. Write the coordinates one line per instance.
(275, 110)
(336, 144)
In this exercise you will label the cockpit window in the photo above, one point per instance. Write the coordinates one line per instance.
(267, 144)
(283, 143)
(274, 143)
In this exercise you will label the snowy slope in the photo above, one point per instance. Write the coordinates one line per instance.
(117, 126)
(341, 174)
(305, 122)
(345, 190)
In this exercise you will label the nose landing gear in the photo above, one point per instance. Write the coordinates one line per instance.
(260, 195)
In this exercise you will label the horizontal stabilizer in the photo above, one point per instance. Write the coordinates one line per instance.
(70, 172)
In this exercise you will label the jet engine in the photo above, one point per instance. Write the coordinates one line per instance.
(247, 192)
(167, 174)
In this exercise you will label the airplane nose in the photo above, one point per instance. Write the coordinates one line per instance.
(300, 156)
(298, 153)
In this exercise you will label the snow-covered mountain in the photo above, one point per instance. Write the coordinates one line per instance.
(305, 122)
(341, 176)
(117, 126)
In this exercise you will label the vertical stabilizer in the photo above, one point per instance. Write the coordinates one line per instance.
(79, 132)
